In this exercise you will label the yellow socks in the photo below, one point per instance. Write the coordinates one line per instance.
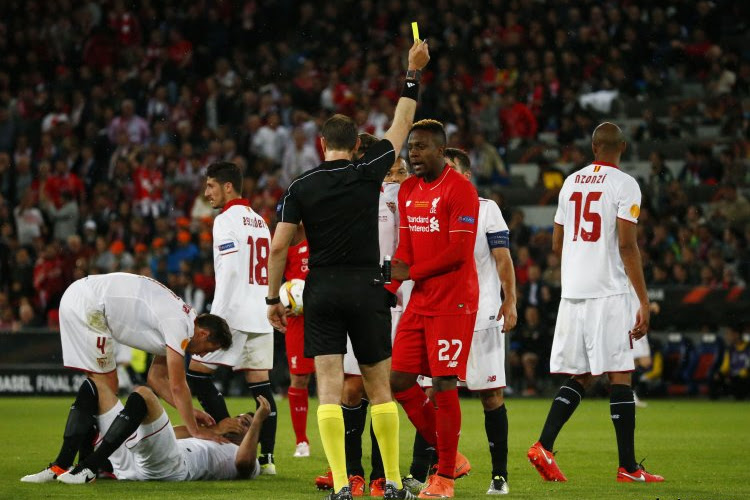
(385, 424)
(331, 426)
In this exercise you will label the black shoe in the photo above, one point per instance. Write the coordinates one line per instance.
(344, 493)
(392, 492)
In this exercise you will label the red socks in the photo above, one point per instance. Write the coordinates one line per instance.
(298, 408)
(448, 431)
(420, 411)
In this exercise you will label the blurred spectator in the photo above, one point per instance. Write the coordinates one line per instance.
(29, 220)
(299, 157)
(733, 377)
(529, 344)
(135, 127)
(486, 165)
(65, 218)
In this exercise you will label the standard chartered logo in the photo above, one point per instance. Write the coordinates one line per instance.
(434, 225)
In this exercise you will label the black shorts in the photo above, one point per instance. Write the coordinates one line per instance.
(340, 302)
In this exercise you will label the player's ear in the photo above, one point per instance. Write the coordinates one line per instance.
(323, 144)
(357, 145)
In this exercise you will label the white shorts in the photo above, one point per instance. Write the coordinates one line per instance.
(485, 368)
(424, 382)
(123, 353)
(150, 454)
(87, 342)
(351, 366)
(641, 348)
(249, 351)
(592, 336)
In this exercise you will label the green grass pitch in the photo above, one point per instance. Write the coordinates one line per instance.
(700, 447)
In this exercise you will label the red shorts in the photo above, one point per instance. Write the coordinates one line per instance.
(436, 346)
(295, 347)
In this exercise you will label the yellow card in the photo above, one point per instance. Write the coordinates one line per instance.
(415, 31)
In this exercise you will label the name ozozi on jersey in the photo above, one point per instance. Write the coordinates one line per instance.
(242, 246)
(590, 203)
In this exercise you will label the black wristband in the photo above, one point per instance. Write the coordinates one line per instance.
(414, 74)
(273, 301)
(411, 90)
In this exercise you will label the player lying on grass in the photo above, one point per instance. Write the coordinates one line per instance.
(141, 445)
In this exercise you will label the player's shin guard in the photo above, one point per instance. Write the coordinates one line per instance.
(565, 403)
(448, 431)
(420, 411)
(81, 424)
(267, 438)
(385, 426)
(202, 386)
(298, 404)
(331, 426)
(422, 458)
(496, 427)
(354, 425)
(125, 424)
(622, 411)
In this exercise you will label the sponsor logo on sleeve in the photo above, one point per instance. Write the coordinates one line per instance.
(635, 211)
(467, 219)
(184, 344)
(226, 246)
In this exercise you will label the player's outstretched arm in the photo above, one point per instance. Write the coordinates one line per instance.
(248, 450)
(403, 117)
(631, 259)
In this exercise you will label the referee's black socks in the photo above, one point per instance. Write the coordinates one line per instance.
(422, 459)
(565, 403)
(496, 427)
(267, 438)
(80, 429)
(202, 386)
(124, 425)
(354, 426)
(622, 411)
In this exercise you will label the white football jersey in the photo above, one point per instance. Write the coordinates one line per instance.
(242, 246)
(141, 312)
(388, 234)
(591, 200)
(207, 460)
(491, 230)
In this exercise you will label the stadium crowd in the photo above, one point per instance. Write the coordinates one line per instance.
(111, 110)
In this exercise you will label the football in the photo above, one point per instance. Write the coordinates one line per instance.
(291, 296)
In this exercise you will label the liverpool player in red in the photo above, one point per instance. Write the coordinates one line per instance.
(300, 367)
(438, 219)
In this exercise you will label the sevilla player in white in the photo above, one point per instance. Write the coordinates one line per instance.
(242, 244)
(595, 232)
(485, 369)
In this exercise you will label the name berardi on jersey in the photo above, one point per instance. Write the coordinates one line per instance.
(590, 179)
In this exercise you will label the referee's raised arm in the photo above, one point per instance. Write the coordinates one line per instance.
(403, 117)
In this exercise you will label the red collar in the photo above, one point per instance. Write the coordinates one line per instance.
(606, 164)
(237, 201)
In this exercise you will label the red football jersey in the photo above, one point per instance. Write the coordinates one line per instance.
(437, 229)
(297, 261)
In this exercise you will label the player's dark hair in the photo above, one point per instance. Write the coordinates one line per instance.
(365, 142)
(459, 158)
(218, 329)
(225, 171)
(434, 127)
(340, 132)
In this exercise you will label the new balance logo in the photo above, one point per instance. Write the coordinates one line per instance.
(491, 378)
(452, 364)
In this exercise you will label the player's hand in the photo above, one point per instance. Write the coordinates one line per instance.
(209, 435)
(234, 425)
(264, 408)
(277, 317)
(203, 419)
(419, 55)
(399, 270)
(641, 322)
(509, 315)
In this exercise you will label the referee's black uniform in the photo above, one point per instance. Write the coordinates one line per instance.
(338, 204)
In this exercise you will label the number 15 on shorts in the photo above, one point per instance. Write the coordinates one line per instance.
(444, 351)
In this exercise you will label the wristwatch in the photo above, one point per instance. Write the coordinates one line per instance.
(272, 301)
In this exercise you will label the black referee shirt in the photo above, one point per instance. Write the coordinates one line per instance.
(338, 204)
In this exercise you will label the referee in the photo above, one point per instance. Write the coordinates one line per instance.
(338, 204)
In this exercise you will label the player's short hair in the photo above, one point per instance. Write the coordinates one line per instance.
(365, 142)
(218, 329)
(434, 127)
(225, 171)
(459, 158)
(340, 132)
